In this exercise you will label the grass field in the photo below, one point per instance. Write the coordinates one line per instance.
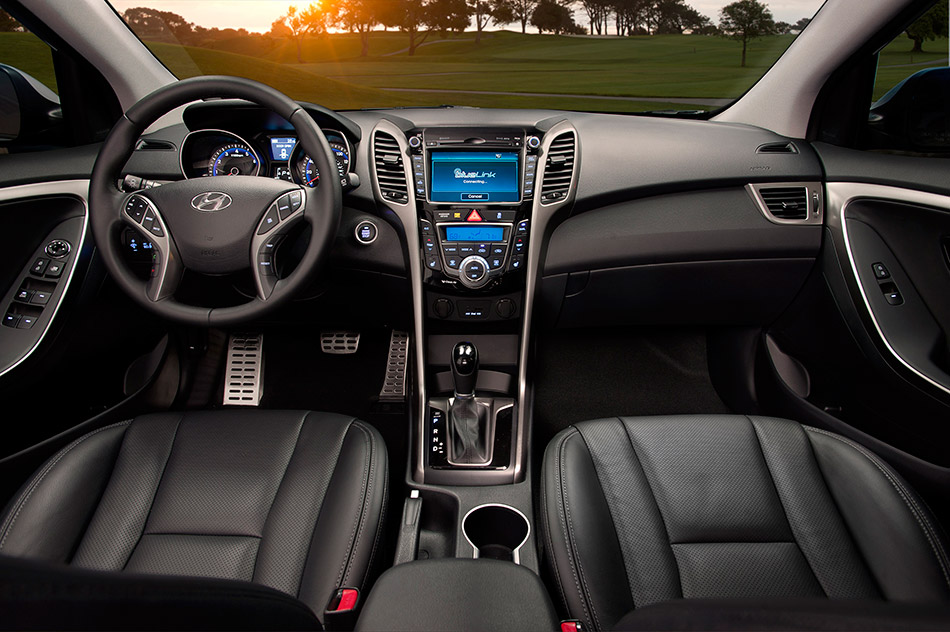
(637, 73)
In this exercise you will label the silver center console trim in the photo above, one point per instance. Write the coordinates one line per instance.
(406, 212)
(75, 188)
(840, 197)
(541, 215)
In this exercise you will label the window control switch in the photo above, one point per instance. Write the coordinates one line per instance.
(24, 295)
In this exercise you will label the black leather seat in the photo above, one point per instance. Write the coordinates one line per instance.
(289, 500)
(639, 511)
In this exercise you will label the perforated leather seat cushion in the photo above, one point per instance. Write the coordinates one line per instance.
(289, 500)
(639, 511)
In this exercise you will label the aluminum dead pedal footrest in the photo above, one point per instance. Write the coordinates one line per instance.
(244, 374)
(339, 342)
(394, 386)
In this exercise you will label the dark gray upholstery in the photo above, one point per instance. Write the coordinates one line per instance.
(288, 500)
(638, 511)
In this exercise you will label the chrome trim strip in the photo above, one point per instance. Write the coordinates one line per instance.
(840, 196)
(74, 188)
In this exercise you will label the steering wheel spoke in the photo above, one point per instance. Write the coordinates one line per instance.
(142, 214)
(281, 215)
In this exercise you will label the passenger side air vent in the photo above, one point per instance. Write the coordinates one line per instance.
(786, 202)
(558, 169)
(777, 148)
(390, 171)
(789, 204)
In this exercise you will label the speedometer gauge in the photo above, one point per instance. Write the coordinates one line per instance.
(235, 159)
(310, 175)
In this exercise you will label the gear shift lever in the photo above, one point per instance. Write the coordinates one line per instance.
(469, 420)
(465, 368)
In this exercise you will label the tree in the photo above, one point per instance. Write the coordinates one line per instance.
(484, 11)
(675, 16)
(165, 26)
(522, 10)
(359, 16)
(929, 26)
(744, 21)
(411, 16)
(551, 16)
(783, 28)
(297, 24)
(449, 15)
(801, 24)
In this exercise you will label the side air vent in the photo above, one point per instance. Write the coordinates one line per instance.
(390, 172)
(786, 202)
(558, 169)
(789, 204)
(777, 148)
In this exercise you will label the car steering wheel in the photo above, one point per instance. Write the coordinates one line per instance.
(213, 225)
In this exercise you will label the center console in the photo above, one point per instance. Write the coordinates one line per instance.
(474, 190)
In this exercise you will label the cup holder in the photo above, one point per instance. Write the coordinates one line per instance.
(496, 532)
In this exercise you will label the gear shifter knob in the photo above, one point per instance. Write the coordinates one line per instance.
(465, 368)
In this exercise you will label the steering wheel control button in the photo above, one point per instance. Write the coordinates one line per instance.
(58, 248)
(55, 269)
(135, 208)
(270, 221)
(366, 232)
(39, 266)
(296, 199)
(284, 206)
(156, 263)
(266, 264)
(40, 297)
(474, 271)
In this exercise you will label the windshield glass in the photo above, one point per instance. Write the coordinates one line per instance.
(686, 56)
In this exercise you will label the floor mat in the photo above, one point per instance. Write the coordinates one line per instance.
(589, 374)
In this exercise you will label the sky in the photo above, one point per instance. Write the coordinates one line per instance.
(257, 15)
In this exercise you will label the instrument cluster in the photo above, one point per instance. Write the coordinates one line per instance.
(213, 152)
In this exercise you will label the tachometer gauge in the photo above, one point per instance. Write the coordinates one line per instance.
(235, 159)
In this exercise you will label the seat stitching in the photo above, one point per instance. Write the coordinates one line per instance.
(781, 500)
(27, 493)
(549, 540)
(367, 490)
(922, 521)
(377, 539)
(316, 522)
(656, 502)
(563, 518)
(283, 477)
(158, 485)
(357, 526)
(580, 566)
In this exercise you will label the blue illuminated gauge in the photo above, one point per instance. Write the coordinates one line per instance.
(310, 175)
(236, 159)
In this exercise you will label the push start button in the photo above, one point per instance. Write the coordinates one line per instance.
(366, 232)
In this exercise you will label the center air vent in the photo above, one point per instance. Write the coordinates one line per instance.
(390, 172)
(558, 169)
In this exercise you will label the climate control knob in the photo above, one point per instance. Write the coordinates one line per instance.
(473, 271)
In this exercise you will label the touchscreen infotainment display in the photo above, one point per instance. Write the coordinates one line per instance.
(474, 176)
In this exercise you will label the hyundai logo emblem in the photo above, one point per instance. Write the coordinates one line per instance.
(211, 201)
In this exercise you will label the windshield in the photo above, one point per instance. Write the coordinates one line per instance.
(674, 56)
